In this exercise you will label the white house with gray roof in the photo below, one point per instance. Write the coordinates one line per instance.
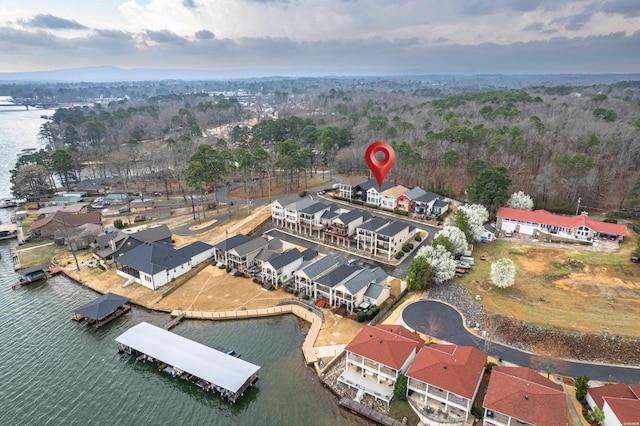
(279, 269)
(304, 279)
(325, 283)
(238, 252)
(384, 238)
(153, 265)
(310, 218)
(350, 292)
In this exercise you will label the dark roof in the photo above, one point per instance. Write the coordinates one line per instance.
(102, 306)
(31, 269)
(330, 214)
(314, 208)
(103, 239)
(285, 258)
(256, 242)
(349, 217)
(427, 197)
(359, 281)
(393, 228)
(374, 224)
(321, 266)
(152, 258)
(337, 275)
(233, 242)
(309, 254)
(373, 183)
(67, 219)
(195, 248)
(151, 235)
(440, 203)
(374, 291)
(415, 193)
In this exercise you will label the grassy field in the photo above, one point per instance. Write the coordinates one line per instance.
(584, 291)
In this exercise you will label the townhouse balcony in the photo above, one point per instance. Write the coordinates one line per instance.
(435, 412)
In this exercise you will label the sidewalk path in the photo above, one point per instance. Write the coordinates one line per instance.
(307, 347)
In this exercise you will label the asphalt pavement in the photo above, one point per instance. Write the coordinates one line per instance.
(442, 321)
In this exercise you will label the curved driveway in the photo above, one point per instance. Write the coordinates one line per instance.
(442, 321)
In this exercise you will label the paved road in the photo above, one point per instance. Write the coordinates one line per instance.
(444, 322)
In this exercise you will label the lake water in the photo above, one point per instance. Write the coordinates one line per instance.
(56, 371)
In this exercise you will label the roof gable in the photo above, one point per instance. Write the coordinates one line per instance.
(320, 267)
(457, 369)
(395, 191)
(517, 392)
(337, 275)
(284, 259)
(617, 390)
(152, 258)
(414, 193)
(388, 346)
(232, 242)
(626, 410)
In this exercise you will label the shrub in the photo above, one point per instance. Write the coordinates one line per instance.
(306, 297)
(386, 210)
(405, 248)
(477, 412)
(401, 212)
(610, 220)
(582, 384)
(371, 313)
(222, 267)
(489, 366)
(417, 237)
(360, 316)
(118, 224)
(296, 292)
(373, 206)
(410, 246)
(399, 255)
(303, 194)
(358, 202)
(400, 388)
(336, 197)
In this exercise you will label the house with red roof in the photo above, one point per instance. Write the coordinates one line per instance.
(443, 382)
(520, 395)
(620, 403)
(541, 223)
(375, 358)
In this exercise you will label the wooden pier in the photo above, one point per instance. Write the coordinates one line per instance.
(369, 412)
(175, 321)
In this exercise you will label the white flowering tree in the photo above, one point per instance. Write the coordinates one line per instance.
(503, 273)
(477, 215)
(520, 200)
(443, 266)
(456, 237)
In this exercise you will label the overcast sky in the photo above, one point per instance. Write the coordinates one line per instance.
(322, 37)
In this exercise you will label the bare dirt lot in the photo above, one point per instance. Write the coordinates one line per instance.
(586, 289)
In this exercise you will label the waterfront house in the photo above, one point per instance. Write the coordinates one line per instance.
(277, 213)
(520, 395)
(241, 257)
(292, 212)
(390, 197)
(376, 294)
(114, 242)
(153, 265)
(81, 236)
(279, 269)
(375, 358)
(304, 279)
(74, 208)
(325, 283)
(544, 224)
(620, 403)
(47, 226)
(350, 292)
(404, 200)
(443, 382)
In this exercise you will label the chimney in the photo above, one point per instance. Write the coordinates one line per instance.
(112, 244)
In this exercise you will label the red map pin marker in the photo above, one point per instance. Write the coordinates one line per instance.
(380, 168)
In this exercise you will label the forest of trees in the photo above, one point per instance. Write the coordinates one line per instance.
(556, 144)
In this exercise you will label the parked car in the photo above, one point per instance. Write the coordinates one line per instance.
(507, 234)
(635, 259)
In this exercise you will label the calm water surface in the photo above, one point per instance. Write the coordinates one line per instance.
(55, 371)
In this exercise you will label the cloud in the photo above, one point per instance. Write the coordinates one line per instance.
(204, 35)
(534, 26)
(575, 22)
(628, 8)
(190, 4)
(441, 40)
(164, 36)
(477, 8)
(52, 23)
(549, 31)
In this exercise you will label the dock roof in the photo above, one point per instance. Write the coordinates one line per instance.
(216, 367)
(102, 306)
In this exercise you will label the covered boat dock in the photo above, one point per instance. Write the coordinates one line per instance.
(100, 311)
(32, 274)
(208, 368)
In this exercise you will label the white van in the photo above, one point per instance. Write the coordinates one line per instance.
(507, 234)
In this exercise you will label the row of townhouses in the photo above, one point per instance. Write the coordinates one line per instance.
(444, 380)
(393, 197)
(328, 278)
(344, 226)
